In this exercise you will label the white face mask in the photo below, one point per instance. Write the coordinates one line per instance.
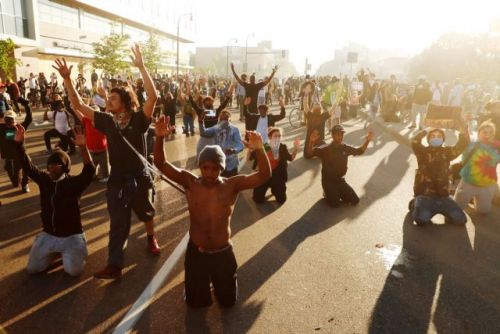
(274, 143)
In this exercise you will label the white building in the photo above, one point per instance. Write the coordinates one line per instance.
(46, 29)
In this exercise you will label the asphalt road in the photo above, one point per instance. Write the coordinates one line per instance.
(303, 267)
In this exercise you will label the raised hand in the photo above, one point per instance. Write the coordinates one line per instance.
(63, 68)
(296, 143)
(254, 140)
(163, 127)
(281, 101)
(79, 137)
(314, 137)
(20, 131)
(370, 135)
(232, 65)
(136, 56)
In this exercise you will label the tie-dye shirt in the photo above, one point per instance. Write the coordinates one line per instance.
(481, 169)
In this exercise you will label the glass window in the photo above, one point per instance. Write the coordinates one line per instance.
(7, 6)
(58, 14)
(96, 24)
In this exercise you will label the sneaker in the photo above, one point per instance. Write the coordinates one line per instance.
(103, 179)
(110, 272)
(412, 126)
(153, 246)
(25, 189)
(192, 133)
(187, 134)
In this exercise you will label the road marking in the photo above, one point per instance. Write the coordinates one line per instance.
(145, 299)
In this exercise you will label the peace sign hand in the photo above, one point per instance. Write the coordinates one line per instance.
(137, 56)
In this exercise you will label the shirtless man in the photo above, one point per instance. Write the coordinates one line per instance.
(210, 197)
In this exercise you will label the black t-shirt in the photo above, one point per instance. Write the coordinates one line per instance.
(252, 91)
(334, 159)
(121, 157)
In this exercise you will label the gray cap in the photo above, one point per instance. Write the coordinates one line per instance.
(214, 154)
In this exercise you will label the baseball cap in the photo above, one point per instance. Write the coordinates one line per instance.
(338, 128)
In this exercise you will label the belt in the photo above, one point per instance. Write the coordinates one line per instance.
(212, 251)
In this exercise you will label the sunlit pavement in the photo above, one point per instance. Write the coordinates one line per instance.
(303, 267)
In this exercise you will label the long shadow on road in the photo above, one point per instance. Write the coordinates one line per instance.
(437, 263)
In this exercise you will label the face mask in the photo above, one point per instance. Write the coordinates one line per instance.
(275, 145)
(274, 142)
(223, 124)
(436, 142)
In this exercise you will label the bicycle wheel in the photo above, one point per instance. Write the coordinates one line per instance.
(294, 117)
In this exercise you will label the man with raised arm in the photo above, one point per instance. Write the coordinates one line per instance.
(252, 88)
(60, 195)
(210, 197)
(130, 186)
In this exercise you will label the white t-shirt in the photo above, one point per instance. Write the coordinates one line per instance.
(32, 83)
(262, 93)
(262, 128)
(61, 122)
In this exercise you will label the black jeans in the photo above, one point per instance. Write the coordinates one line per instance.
(14, 167)
(338, 190)
(201, 268)
(278, 189)
(65, 140)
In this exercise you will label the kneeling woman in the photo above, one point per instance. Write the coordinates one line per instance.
(279, 156)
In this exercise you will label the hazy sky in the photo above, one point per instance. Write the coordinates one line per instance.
(318, 27)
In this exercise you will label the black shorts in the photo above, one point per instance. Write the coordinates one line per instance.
(201, 268)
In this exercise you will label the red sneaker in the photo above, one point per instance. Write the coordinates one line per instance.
(110, 272)
(153, 246)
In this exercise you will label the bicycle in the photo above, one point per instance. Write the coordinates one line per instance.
(295, 117)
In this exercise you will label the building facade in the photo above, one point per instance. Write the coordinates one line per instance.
(46, 29)
(259, 59)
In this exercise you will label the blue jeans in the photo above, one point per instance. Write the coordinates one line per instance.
(188, 124)
(427, 207)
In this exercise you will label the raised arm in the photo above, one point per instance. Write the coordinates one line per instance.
(195, 106)
(31, 170)
(296, 146)
(282, 111)
(73, 95)
(241, 82)
(242, 182)
(162, 130)
(416, 142)
(204, 132)
(461, 145)
(275, 69)
(149, 87)
(313, 140)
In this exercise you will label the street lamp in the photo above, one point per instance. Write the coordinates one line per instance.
(245, 68)
(227, 55)
(178, 25)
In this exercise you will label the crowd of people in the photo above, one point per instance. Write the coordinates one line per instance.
(120, 126)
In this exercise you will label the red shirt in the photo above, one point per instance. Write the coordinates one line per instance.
(96, 141)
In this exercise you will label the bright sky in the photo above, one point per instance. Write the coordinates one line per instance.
(318, 27)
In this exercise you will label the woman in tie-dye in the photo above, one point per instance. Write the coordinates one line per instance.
(479, 175)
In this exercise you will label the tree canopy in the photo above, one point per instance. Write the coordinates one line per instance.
(110, 54)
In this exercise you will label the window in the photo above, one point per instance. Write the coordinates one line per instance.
(55, 13)
(96, 24)
(13, 20)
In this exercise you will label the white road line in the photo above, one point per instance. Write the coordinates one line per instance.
(144, 300)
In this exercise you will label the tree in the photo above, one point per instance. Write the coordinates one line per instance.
(110, 54)
(454, 55)
(151, 53)
(8, 61)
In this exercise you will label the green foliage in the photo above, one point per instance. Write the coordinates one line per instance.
(151, 53)
(7, 62)
(111, 52)
(453, 55)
